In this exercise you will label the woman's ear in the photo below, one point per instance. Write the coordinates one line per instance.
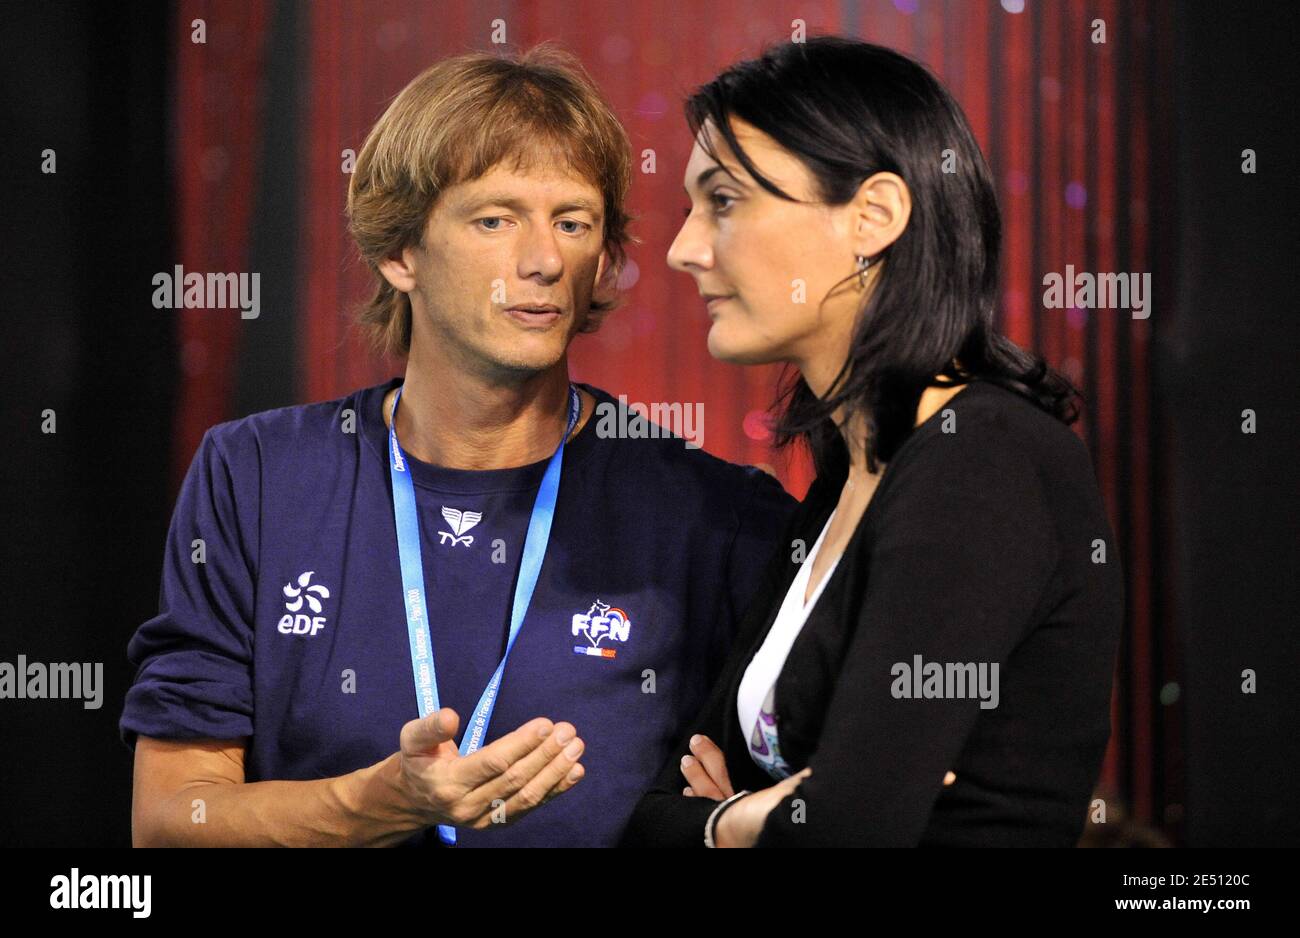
(880, 211)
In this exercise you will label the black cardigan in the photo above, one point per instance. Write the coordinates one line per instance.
(982, 543)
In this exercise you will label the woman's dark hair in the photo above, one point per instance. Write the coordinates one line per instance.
(850, 109)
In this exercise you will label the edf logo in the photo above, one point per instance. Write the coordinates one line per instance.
(302, 624)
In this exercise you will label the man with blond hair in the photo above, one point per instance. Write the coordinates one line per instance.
(427, 609)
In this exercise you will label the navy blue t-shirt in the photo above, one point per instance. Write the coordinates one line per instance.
(291, 631)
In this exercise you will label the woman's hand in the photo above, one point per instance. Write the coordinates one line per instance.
(706, 771)
(740, 824)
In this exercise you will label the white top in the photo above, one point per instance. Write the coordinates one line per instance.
(755, 700)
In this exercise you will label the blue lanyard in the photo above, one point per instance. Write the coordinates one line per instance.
(417, 626)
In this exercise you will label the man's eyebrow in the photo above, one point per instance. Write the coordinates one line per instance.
(579, 204)
(508, 201)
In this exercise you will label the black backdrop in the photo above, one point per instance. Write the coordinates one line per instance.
(1234, 347)
(85, 509)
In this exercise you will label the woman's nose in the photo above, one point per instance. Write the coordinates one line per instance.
(689, 250)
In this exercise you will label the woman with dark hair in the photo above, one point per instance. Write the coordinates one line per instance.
(959, 608)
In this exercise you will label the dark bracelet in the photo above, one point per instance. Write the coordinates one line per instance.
(712, 822)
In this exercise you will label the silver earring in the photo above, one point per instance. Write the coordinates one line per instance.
(864, 264)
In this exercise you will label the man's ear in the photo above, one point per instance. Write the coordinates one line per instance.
(399, 270)
(605, 290)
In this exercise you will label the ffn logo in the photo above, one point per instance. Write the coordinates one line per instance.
(598, 623)
(301, 624)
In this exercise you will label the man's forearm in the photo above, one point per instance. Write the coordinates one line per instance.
(365, 808)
